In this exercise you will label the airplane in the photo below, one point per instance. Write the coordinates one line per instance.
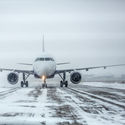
(44, 67)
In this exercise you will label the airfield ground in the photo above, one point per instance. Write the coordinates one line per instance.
(83, 104)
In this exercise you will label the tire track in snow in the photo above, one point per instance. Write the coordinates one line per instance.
(6, 93)
(98, 97)
(94, 108)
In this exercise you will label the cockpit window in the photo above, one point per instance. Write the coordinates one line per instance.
(41, 59)
(37, 59)
(44, 59)
(52, 59)
(49, 59)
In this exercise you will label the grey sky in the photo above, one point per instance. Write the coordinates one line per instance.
(84, 32)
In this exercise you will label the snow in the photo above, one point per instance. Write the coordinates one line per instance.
(56, 105)
(104, 84)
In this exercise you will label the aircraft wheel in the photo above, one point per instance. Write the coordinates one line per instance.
(66, 83)
(43, 85)
(22, 83)
(26, 83)
(46, 85)
(61, 84)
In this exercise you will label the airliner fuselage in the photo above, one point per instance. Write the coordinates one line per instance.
(44, 65)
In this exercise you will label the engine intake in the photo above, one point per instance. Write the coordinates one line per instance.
(12, 78)
(75, 77)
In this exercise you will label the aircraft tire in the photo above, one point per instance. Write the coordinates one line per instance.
(26, 83)
(66, 83)
(61, 84)
(22, 83)
(44, 85)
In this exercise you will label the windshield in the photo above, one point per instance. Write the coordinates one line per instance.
(44, 59)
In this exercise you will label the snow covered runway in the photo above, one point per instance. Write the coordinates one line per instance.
(61, 106)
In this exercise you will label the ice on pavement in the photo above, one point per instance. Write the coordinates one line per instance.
(104, 84)
(55, 105)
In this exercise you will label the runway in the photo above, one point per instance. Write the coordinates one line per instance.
(81, 104)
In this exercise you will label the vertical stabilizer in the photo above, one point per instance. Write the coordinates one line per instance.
(43, 47)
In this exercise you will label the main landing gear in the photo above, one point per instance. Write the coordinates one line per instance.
(63, 82)
(24, 82)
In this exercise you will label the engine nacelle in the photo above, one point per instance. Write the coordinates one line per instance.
(75, 77)
(12, 78)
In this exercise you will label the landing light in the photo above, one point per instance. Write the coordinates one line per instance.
(43, 78)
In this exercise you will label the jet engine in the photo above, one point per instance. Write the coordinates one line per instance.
(75, 77)
(12, 78)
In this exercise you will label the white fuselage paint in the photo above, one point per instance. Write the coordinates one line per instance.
(44, 65)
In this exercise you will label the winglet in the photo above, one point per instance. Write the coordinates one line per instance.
(43, 47)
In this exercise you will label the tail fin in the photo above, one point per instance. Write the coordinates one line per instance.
(43, 47)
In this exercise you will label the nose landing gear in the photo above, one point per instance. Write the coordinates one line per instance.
(44, 85)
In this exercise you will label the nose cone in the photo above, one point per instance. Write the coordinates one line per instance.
(44, 69)
(41, 70)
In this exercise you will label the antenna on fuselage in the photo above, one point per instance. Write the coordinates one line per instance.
(43, 47)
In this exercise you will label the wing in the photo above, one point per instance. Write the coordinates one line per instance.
(63, 63)
(17, 70)
(87, 68)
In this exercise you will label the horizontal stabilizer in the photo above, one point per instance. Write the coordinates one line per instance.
(25, 64)
(62, 63)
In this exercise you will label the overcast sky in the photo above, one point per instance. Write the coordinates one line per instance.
(84, 32)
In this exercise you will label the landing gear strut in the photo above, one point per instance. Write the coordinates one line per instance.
(44, 85)
(63, 82)
(24, 82)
